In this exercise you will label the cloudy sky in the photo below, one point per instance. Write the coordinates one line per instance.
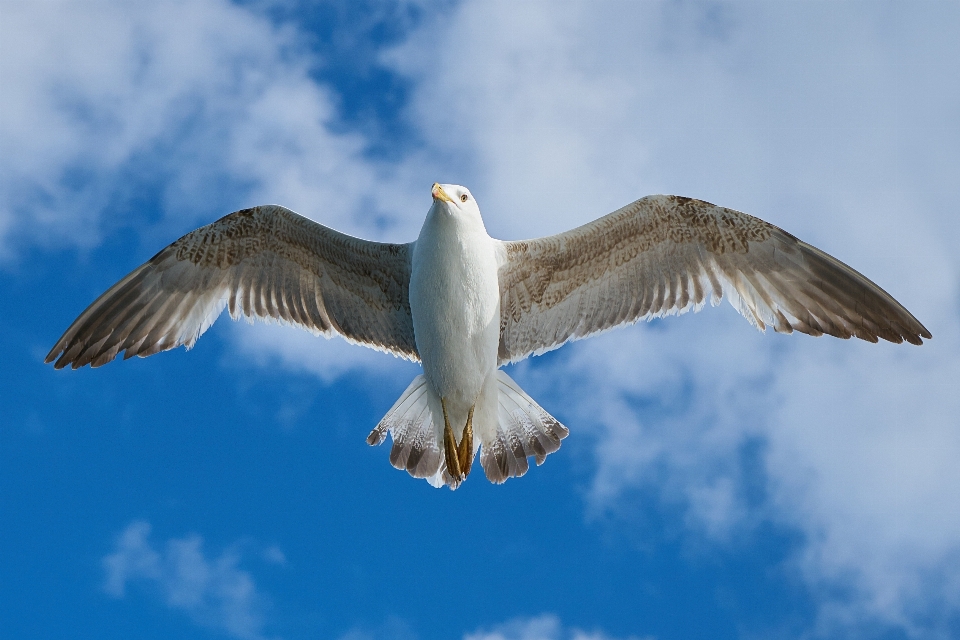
(717, 482)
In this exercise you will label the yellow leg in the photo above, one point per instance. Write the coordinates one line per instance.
(450, 446)
(465, 450)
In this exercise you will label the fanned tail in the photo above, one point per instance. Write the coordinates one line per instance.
(523, 430)
(509, 426)
(412, 424)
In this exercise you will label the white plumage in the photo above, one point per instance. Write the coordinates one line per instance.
(455, 304)
(464, 304)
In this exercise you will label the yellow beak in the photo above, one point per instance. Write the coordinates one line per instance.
(439, 193)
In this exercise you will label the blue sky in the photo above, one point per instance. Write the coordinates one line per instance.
(716, 483)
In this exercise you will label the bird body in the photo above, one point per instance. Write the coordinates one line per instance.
(464, 304)
(455, 308)
(455, 302)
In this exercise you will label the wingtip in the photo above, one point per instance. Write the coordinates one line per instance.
(917, 333)
(917, 339)
(54, 353)
(56, 357)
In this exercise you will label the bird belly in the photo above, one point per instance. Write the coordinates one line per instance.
(455, 304)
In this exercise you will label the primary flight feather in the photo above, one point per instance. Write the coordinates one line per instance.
(463, 304)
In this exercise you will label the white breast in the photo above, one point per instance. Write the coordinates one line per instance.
(455, 304)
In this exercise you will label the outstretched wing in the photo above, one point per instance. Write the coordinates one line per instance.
(663, 255)
(266, 262)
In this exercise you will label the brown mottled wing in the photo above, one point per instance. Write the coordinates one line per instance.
(266, 262)
(663, 255)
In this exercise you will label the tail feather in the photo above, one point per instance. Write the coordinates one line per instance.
(411, 423)
(524, 430)
(509, 426)
(379, 433)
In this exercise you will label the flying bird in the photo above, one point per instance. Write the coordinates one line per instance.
(464, 304)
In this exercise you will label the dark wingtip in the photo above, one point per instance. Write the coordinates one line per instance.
(918, 335)
(55, 352)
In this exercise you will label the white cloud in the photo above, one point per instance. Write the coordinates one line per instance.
(207, 91)
(212, 99)
(544, 627)
(393, 628)
(833, 120)
(91, 87)
(275, 555)
(297, 350)
(213, 591)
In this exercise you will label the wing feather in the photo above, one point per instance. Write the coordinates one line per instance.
(267, 263)
(663, 255)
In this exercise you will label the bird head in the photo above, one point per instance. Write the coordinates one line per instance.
(455, 200)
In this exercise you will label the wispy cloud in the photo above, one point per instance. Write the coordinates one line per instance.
(209, 104)
(800, 113)
(393, 628)
(213, 591)
(544, 627)
(211, 99)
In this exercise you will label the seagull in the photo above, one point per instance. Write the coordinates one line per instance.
(464, 304)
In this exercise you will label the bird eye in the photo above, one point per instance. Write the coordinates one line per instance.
(464, 198)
